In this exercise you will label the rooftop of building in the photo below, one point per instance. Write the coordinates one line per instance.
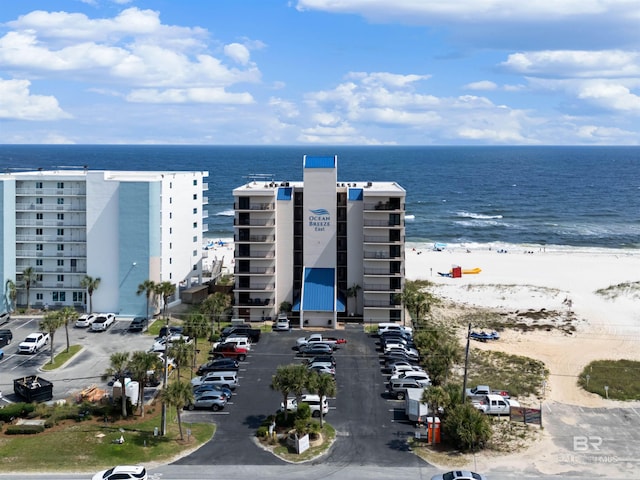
(81, 173)
(261, 185)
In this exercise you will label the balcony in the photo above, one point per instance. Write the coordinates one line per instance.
(257, 255)
(385, 272)
(256, 239)
(255, 222)
(384, 206)
(51, 192)
(379, 287)
(382, 239)
(32, 222)
(50, 239)
(256, 287)
(255, 271)
(386, 304)
(52, 207)
(256, 206)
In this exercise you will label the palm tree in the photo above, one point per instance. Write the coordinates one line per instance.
(67, 314)
(197, 327)
(352, 291)
(29, 280)
(178, 394)
(141, 363)
(51, 322)
(148, 287)
(11, 293)
(216, 305)
(281, 382)
(91, 284)
(435, 397)
(119, 363)
(165, 290)
(299, 378)
(324, 386)
(181, 352)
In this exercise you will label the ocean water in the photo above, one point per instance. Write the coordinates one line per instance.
(538, 196)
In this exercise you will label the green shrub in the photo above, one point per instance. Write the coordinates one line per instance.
(303, 412)
(16, 410)
(262, 432)
(24, 429)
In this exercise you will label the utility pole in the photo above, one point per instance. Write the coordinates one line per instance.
(165, 379)
(466, 366)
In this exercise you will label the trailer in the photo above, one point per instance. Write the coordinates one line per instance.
(414, 408)
(33, 388)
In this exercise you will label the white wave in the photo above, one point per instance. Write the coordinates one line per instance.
(226, 213)
(478, 216)
(410, 218)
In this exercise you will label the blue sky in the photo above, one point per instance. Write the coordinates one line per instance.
(323, 72)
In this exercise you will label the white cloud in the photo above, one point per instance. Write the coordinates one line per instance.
(573, 63)
(189, 95)
(481, 85)
(19, 104)
(132, 49)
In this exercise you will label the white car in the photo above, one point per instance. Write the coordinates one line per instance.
(459, 475)
(412, 374)
(161, 344)
(122, 472)
(406, 368)
(85, 321)
(282, 324)
(102, 322)
(312, 400)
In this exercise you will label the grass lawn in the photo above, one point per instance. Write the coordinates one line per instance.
(620, 376)
(62, 358)
(87, 445)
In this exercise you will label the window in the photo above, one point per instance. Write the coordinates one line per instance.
(170, 260)
(39, 296)
(38, 262)
(195, 224)
(39, 247)
(61, 216)
(38, 231)
(60, 201)
(39, 216)
(170, 200)
(60, 184)
(195, 196)
(170, 245)
(170, 184)
(38, 277)
(59, 296)
(39, 200)
(195, 210)
(61, 278)
(60, 232)
(170, 230)
(170, 275)
(195, 183)
(170, 214)
(195, 238)
(60, 262)
(38, 184)
(195, 267)
(78, 297)
(195, 253)
(60, 247)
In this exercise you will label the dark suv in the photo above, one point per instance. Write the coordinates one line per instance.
(218, 365)
(5, 337)
(138, 324)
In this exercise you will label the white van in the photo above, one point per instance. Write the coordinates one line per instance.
(239, 341)
(387, 327)
(224, 379)
(312, 400)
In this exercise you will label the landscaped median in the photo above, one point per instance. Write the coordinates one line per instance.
(62, 358)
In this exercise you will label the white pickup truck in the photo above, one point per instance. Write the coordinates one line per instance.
(495, 405)
(481, 390)
(319, 338)
(33, 343)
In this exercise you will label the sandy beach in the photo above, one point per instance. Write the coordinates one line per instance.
(555, 279)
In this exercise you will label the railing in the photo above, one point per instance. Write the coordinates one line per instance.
(257, 287)
(257, 206)
(379, 287)
(382, 303)
(381, 239)
(257, 238)
(42, 254)
(256, 271)
(49, 238)
(380, 271)
(379, 223)
(33, 191)
(383, 206)
(54, 207)
(254, 222)
(32, 222)
(266, 254)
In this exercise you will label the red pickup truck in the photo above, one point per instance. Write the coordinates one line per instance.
(229, 350)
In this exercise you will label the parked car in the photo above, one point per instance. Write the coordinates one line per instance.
(85, 321)
(459, 475)
(312, 400)
(241, 341)
(229, 350)
(4, 317)
(122, 472)
(224, 379)
(322, 359)
(6, 337)
(211, 387)
(1, 354)
(218, 365)
(418, 374)
(398, 369)
(402, 353)
(172, 329)
(398, 386)
(282, 324)
(103, 322)
(213, 400)
(393, 364)
(315, 349)
(138, 324)
(161, 344)
(323, 369)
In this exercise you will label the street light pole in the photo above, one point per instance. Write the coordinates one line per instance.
(466, 366)
(165, 379)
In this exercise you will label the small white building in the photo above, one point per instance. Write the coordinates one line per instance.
(122, 227)
(333, 250)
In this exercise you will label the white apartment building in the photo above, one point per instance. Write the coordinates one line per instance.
(316, 243)
(122, 227)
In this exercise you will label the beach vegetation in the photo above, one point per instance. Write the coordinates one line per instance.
(613, 379)
(629, 289)
(467, 428)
